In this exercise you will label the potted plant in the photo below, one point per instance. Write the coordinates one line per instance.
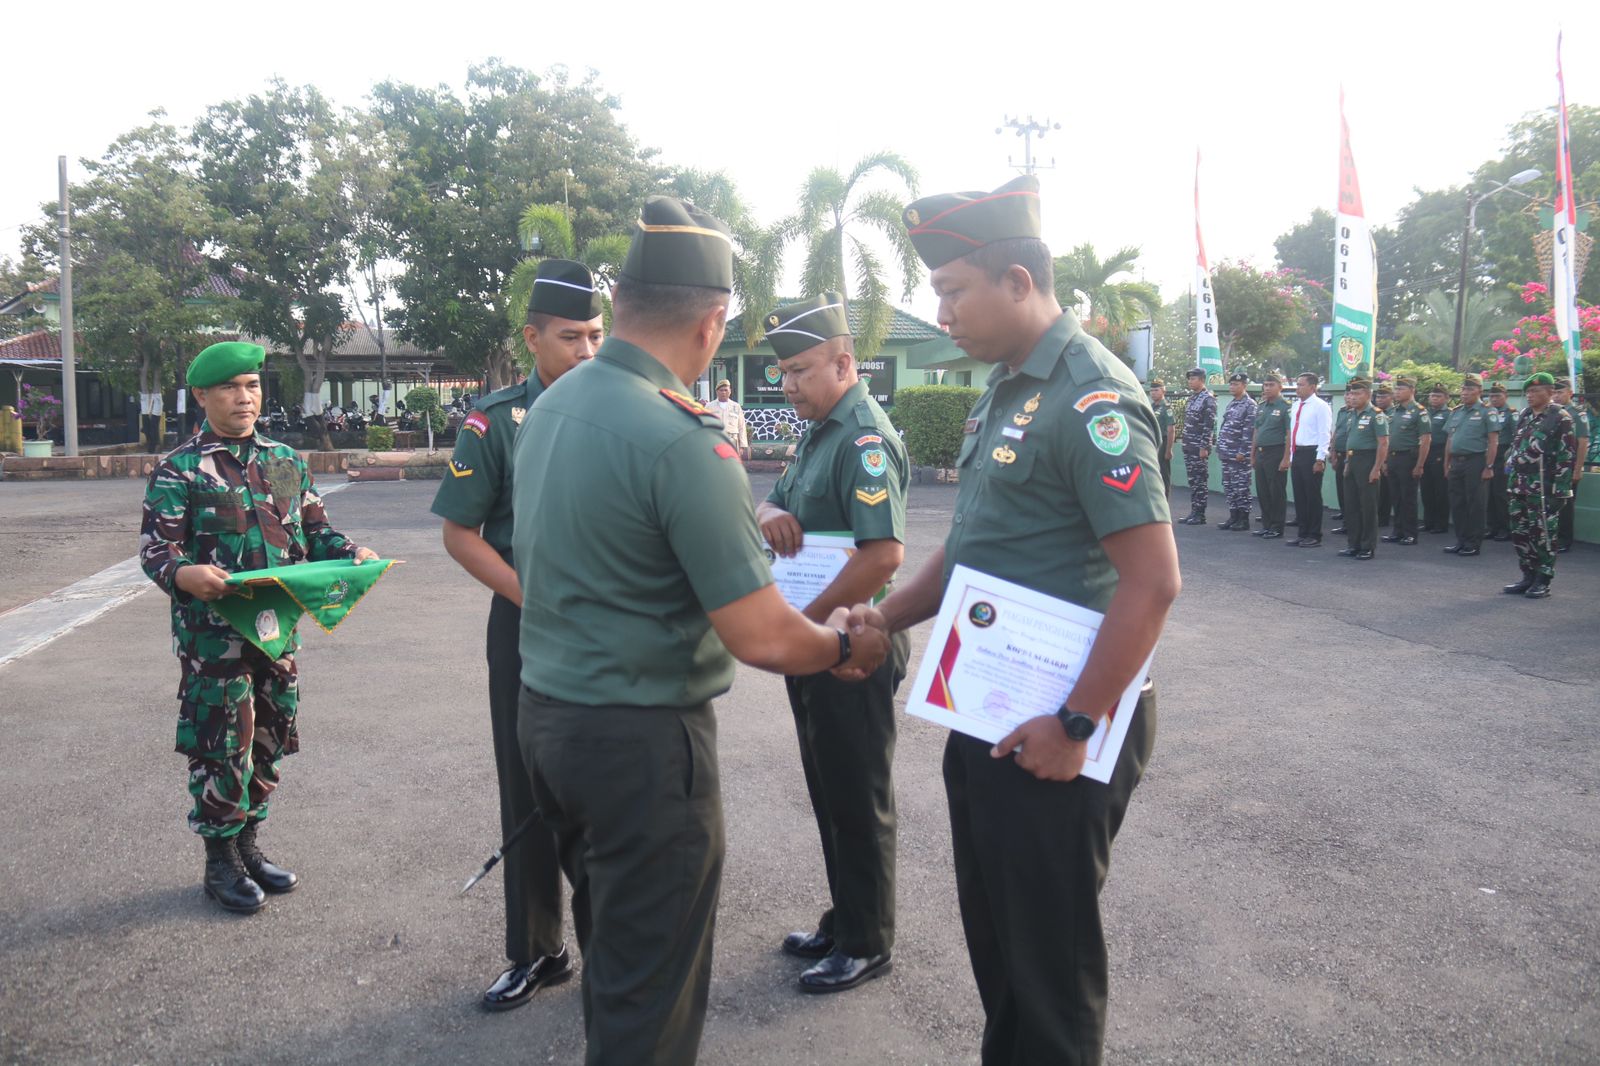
(40, 407)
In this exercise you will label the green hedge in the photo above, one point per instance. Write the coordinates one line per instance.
(931, 419)
(380, 438)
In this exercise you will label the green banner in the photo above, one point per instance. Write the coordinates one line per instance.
(1352, 346)
(266, 605)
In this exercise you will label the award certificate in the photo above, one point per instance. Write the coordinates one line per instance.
(802, 577)
(1000, 654)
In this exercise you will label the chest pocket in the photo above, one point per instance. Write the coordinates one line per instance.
(218, 512)
(283, 480)
(969, 444)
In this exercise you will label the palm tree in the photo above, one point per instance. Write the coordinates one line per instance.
(833, 209)
(1110, 307)
(1484, 322)
(757, 251)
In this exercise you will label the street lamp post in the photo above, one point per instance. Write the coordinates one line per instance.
(1520, 178)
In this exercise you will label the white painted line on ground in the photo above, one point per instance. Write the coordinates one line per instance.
(33, 625)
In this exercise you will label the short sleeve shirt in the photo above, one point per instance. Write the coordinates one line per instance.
(1438, 426)
(1272, 422)
(1503, 424)
(1365, 427)
(633, 519)
(849, 473)
(1469, 429)
(476, 490)
(1406, 422)
(1057, 455)
(1341, 429)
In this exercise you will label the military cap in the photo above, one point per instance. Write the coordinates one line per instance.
(1383, 389)
(1157, 383)
(723, 382)
(1438, 386)
(1357, 383)
(1238, 375)
(1409, 383)
(1563, 383)
(793, 328)
(564, 289)
(1541, 378)
(1498, 387)
(1273, 378)
(224, 362)
(950, 225)
(1471, 379)
(676, 243)
(1195, 373)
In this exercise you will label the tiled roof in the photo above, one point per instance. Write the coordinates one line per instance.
(41, 345)
(908, 329)
(362, 342)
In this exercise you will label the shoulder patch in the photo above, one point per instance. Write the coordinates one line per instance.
(872, 497)
(477, 422)
(870, 438)
(1093, 398)
(1109, 433)
(460, 469)
(687, 403)
(724, 450)
(1123, 478)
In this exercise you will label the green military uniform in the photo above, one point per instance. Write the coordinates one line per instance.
(477, 493)
(1385, 498)
(1468, 431)
(1364, 429)
(1435, 488)
(1057, 455)
(1341, 429)
(238, 504)
(1165, 422)
(1581, 417)
(1271, 437)
(1540, 465)
(848, 475)
(633, 519)
(1407, 424)
(1503, 424)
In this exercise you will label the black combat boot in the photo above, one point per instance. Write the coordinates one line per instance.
(272, 878)
(1539, 589)
(1517, 588)
(226, 880)
(1197, 517)
(1233, 519)
(1242, 523)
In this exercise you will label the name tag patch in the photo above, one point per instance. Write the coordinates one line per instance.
(971, 426)
(1013, 432)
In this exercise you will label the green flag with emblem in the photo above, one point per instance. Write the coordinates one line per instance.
(266, 605)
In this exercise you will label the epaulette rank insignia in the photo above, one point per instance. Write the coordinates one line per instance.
(685, 402)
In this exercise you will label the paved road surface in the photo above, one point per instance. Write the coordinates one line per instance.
(1369, 833)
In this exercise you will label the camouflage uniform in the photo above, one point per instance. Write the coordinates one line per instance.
(1233, 440)
(1538, 483)
(238, 505)
(1199, 434)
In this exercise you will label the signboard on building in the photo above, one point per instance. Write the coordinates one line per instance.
(763, 381)
(879, 376)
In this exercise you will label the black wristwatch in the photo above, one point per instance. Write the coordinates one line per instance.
(1079, 727)
(844, 647)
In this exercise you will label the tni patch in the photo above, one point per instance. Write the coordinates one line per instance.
(1123, 478)
(459, 469)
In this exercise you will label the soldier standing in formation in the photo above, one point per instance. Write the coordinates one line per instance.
(1539, 468)
(225, 501)
(1166, 428)
(1271, 466)
(1199, 437)
(1409, 441)
(1580, 425)
(1235, 443)
(1470, 448)
(848, 475)
(1503, 424)
(1341, 447)
(1383, 399)
(563, 329)
(1367, 444)
(1435, 490)
(643, 578)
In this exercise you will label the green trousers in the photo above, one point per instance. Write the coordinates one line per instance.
(633, 797)
(1360, 501)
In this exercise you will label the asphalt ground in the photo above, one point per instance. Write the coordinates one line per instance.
(1368, 833)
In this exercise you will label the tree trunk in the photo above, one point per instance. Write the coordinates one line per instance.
(500, 369)
(313, 372)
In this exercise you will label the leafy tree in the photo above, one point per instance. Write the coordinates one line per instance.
(1257, 311)
(280, 167)
(15, 277)
(546, 227)
(1174, 340)
(1419, 254)
(757, 251)
(1535, 336)
(1484, 322)
(1110, 307)
(833, 209)
(466, 169)
(140, 295)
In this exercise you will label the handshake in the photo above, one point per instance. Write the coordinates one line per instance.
(868, 640)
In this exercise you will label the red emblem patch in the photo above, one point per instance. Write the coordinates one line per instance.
(726, 451)
(477, 422)
(1123, 478)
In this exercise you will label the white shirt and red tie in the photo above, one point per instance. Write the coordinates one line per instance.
(1313, 426)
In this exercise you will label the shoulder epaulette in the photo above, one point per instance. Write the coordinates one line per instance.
(864, 416)
(688, 405)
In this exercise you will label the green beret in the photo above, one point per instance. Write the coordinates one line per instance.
(1357, 383)
(564, 289)
(224, 362)
(1471, 379)
(1409, 383)
(1541, 378)
(950, 225)
(676, 243)
(793, 328)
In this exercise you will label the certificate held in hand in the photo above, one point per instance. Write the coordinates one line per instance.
(1001, 654)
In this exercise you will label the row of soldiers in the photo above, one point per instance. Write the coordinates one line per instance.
(1482, 468)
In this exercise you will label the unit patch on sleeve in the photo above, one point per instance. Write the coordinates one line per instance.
(460, 469)
(1096, 397)
(1109, 433)
(725, 450)
(1123, 478)
(870, 438)
(477, 422)
(874, 461)
(872, 497)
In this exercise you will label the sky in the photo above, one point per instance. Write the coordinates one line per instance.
(768, 92)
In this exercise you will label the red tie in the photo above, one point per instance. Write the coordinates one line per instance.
(1294, 434)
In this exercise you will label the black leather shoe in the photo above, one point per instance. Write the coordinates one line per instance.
(263, 871)
(1337, 530)
(1517, 588)
(1349, 553)
(1464, 552)
(1335, 514)
(1562, 549)
(226, 880)
(1502, 537)
(839, 972)
(1363, 556)
(518, 984)
(1390, 538)
(1407, 541)
(1271, 534)
(1259, 532)
(1304, 542)
(804, 945)
(1539, 589)
(1453, 549)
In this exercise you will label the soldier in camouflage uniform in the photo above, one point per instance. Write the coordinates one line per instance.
(1538, 482)
(1199, 437)
(1235, 445)
(225, 501)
